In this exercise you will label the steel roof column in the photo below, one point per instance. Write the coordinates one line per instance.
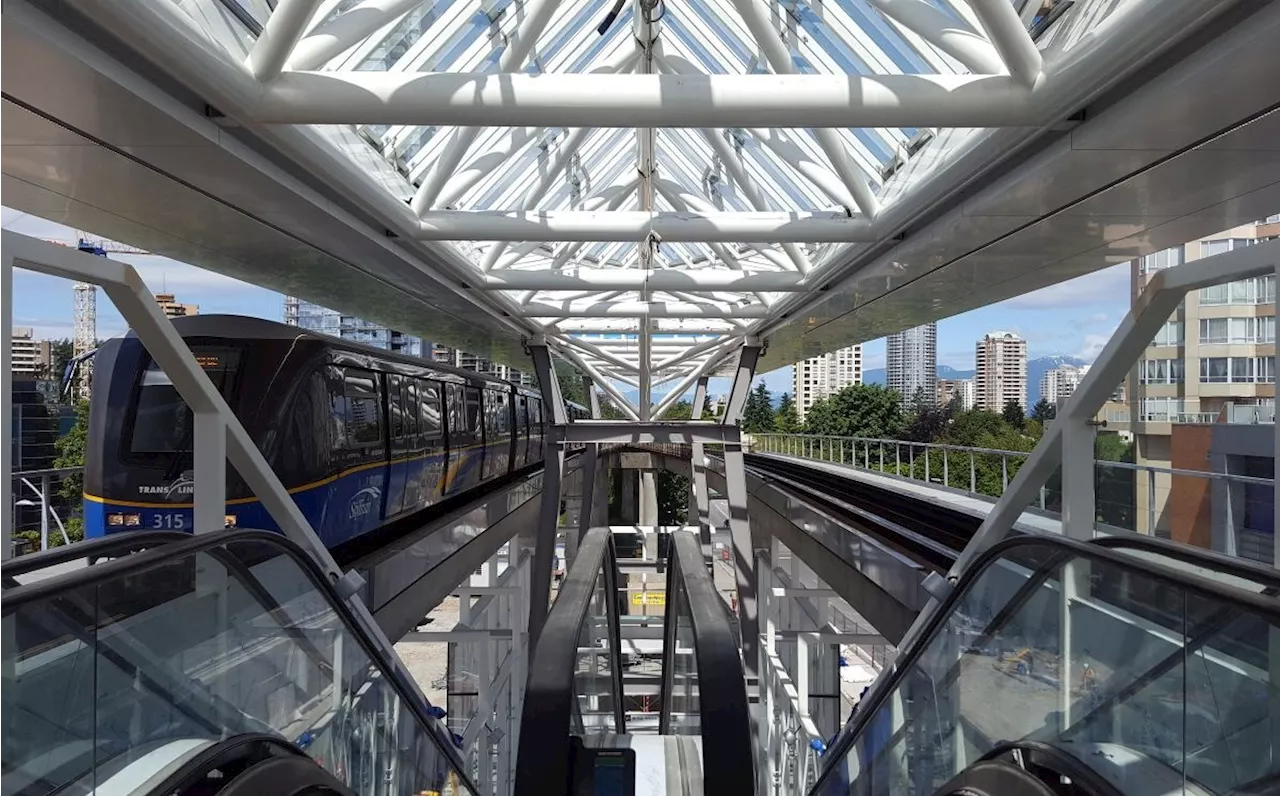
(735, 477)
(552, 473)
(589, 474)
(699, 498)
(6, 401)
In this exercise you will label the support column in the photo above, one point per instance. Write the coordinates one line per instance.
(553, 470)
(630, 491)
(699, 498)
(209, 472)
(739, 527)
(6, 403)
(648, 499)
(589, 475)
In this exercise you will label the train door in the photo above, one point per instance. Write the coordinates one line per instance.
(414, 459)
(396, 437)
(431, 430)
(536, 436)
(497, 434)
(466, 439)
(522, 430)
(361, 489)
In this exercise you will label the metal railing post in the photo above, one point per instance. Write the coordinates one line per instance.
(926, 466)
(44, 512)
(946, 470)
(973, 475)
(1151, 502)
(1004, 473)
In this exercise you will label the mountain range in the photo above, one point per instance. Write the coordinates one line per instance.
(1036, 368)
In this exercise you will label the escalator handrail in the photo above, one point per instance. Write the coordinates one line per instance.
(724, 715)
(1243, 568)
(101, 547)
(542, 758)
(1063, 548)
(18, 596)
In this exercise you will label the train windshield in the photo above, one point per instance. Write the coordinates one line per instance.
(162, 423)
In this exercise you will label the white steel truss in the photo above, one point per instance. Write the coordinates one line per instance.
(639, 182)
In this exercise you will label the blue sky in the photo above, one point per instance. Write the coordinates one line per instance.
(1075, 317)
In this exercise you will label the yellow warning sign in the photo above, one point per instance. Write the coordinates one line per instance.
(649, 598)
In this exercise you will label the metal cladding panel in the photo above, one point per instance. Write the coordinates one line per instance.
(85, 150)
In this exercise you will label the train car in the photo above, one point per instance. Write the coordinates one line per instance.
(361, 437)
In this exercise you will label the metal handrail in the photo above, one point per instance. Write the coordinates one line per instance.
(724, 715)
(101, 547)
(1246, 479)
(542, 759)
(1062, 548)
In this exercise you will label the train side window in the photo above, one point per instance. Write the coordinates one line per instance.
(363, 412)
(409, 388)
(457, 414)
(429, 408)
(473, 408)
(503, 413)
(337, 408)
(305, 452)
(395, 407)
(522, 416)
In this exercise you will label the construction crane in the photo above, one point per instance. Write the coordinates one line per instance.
(85, 313)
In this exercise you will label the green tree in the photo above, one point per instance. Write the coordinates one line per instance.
(570, 379)
(63, 350)
(1014, 415)
(71, 448)
(786, 421)
(968, 428)
(860, 410)
(757, 414)
(1043, 411)
(673, 497)
(928, 423)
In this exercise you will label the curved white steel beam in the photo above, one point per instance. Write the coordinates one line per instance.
(643, 309)
(943, 31)
(278, 38)
(1009, 36)
(778, 55)
(700, 281)
(636, 225)
(329, 39)
(601, 100)
(539, 13)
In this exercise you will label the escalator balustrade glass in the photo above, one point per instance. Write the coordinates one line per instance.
(196, 642)
(1153, 676)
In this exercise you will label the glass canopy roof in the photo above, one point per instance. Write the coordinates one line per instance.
(639, 231)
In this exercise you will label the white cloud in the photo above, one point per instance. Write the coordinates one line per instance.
(1105, 286)
(1091, 346)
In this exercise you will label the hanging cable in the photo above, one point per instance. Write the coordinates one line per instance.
(610, 17)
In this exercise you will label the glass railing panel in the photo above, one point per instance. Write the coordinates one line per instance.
(684, 708)
(593, 679)
(201, 644)
(1092, 653)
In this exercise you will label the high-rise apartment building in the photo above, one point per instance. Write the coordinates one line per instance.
(1213, 361)
(1000, 371)
(30, 358)
(175, 309)
(310, 316)
(1057, 385)
(911, 363)
(818, 377)
(951, 389)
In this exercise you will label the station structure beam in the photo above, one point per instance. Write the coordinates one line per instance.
(552, 474)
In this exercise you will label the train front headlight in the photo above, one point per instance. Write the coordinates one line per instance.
(229, 521)
(133, 520)
(115, 519)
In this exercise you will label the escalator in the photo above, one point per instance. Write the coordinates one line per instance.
(1059, 667)
(574, 737)
(216, 664)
